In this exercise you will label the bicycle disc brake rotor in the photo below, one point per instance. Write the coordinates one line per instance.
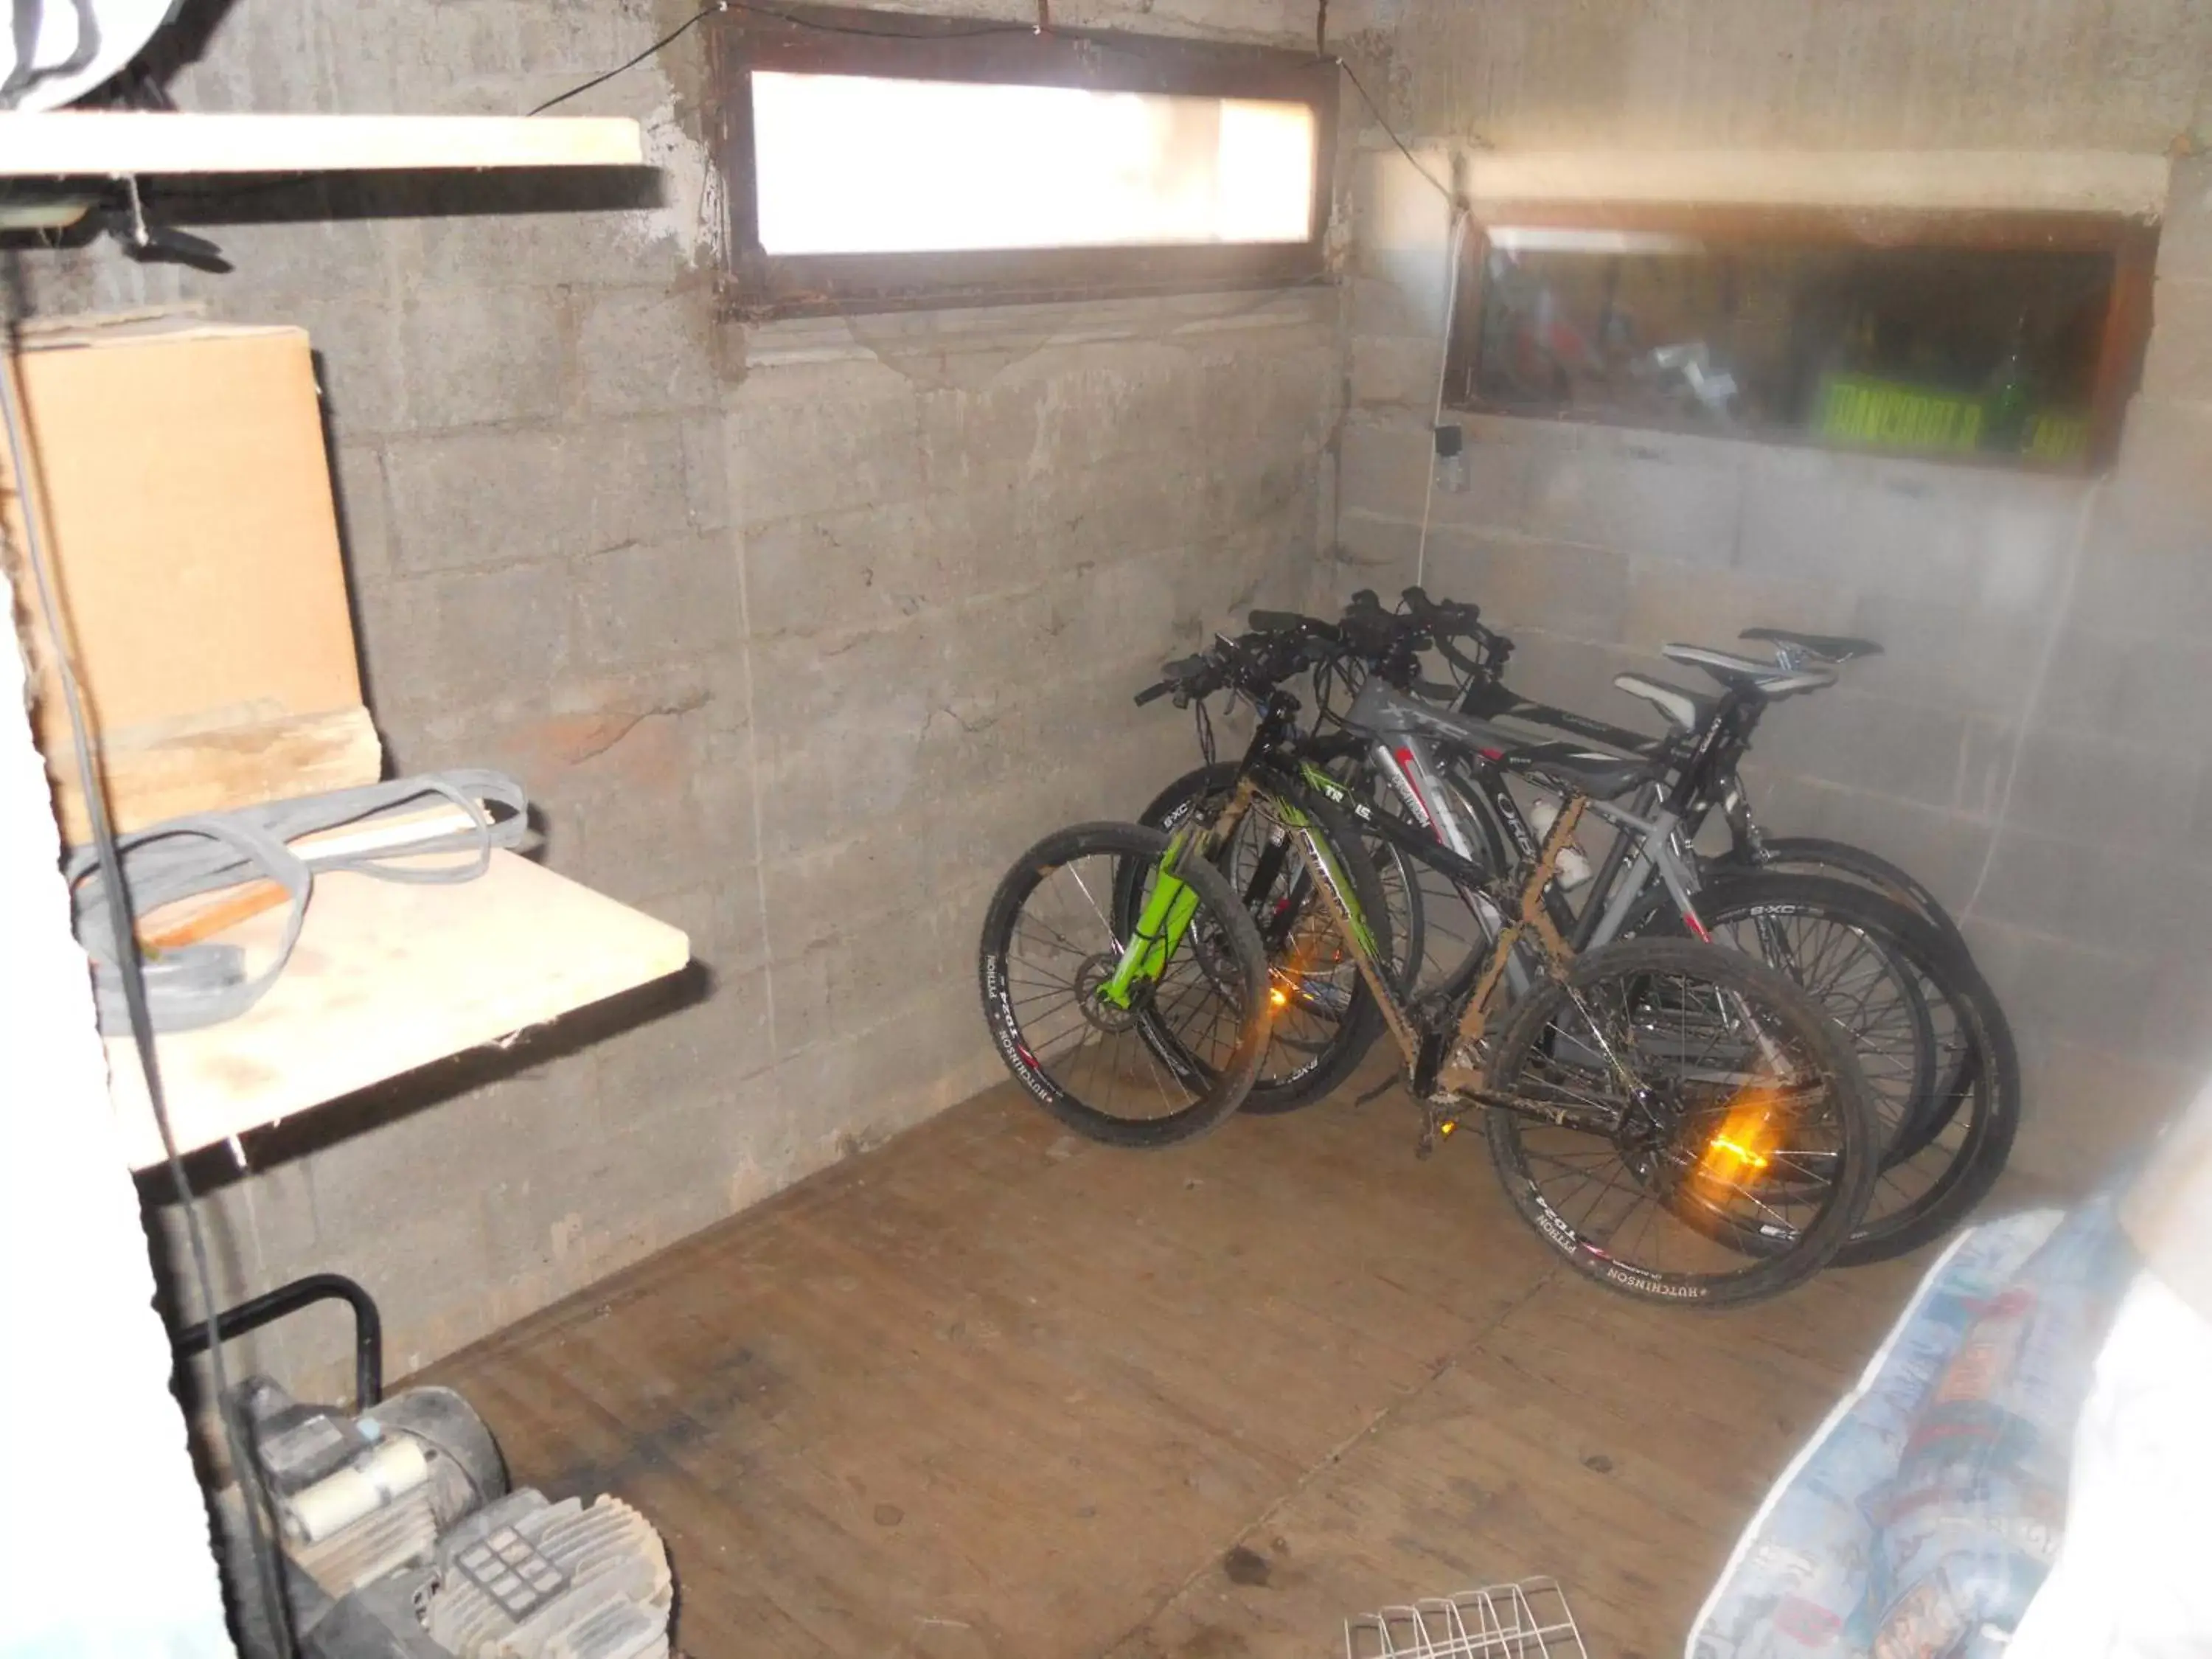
(1103, 1015)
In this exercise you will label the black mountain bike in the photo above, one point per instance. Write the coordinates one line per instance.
(1674, 1119)
(1926, 1028)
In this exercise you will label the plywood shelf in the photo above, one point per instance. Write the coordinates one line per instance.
(68, 143)
(387, 977)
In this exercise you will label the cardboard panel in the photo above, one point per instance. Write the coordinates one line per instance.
(188, 506)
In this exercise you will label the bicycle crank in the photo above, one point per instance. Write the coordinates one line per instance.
(1440, 1121)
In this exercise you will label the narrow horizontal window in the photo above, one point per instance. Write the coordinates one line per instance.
(880, 160)
(1997, 337)
(860, 164)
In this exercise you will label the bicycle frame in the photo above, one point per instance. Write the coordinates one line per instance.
(1705, 762)
(1445, 1059)
(1660, 844)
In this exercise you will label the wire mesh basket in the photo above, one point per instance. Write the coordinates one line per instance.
(1528, 1620)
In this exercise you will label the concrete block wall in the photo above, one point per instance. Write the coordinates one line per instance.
(796, 634)
(2034, 745)
(1866, 75)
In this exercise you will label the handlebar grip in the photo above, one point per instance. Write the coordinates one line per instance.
(1277, 622)
(1154, 693)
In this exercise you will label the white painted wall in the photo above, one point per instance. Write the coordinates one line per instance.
(104, 1547)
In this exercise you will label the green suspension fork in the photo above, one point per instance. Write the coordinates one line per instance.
(1160, 930)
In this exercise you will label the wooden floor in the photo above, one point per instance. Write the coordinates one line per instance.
(994, 1391)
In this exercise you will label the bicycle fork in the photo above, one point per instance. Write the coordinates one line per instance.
(1168, 913)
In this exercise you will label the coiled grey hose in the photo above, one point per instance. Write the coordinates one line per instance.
(195, 985)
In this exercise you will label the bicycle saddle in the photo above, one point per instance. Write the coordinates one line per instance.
(1829, 647)
(1686, 711)
(1745, 671)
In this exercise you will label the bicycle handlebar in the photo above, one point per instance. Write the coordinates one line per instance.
(1287, 622)
(1283, 642)
(1254, 664)
(1446, 621)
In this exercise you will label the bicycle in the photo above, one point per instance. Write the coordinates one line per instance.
(1926, 1027)
(1676, 1121)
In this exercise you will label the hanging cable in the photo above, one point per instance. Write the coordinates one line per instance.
(267, 1572)
(1383, 122)
(1455, 243)
(666, 41)
(797, 20)
(1043, 26)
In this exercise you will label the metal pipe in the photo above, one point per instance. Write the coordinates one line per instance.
(272, 1305)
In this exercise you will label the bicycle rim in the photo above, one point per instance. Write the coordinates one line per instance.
(1175, 1056)
(1946, 1125)
(1739, 1116)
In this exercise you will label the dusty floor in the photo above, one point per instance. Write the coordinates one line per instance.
(994, 1391)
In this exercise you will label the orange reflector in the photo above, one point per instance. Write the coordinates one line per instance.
(1741, 1153)
(1744, 1143)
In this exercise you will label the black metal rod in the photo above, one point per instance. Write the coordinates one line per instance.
(273, 1305)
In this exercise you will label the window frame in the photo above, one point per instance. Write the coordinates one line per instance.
(757, 284)
(2131, 241)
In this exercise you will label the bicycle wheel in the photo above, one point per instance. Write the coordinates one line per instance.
(1813, 855)
(1735, 1109)
(1323, 1017)
(1171, 1054)
(1937, 1054)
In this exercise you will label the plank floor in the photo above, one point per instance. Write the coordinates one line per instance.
(993, 1390)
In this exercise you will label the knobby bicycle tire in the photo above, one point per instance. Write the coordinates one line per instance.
(1814, 855)
(1923, 1187)
(1237, 972)
(1531, 1038)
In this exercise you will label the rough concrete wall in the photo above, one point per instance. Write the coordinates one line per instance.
(796, 634)
(1822, 74)
(2033, 744)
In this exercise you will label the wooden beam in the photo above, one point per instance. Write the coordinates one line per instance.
(77, 143)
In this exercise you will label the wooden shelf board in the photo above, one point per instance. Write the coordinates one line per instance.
(65, 144)
(388, 976)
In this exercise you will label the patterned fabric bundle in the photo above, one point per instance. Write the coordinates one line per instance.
(1925, 1511)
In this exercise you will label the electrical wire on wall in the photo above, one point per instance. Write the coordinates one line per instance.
(1454, 245)
(1100, 39)
(267, 1572)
